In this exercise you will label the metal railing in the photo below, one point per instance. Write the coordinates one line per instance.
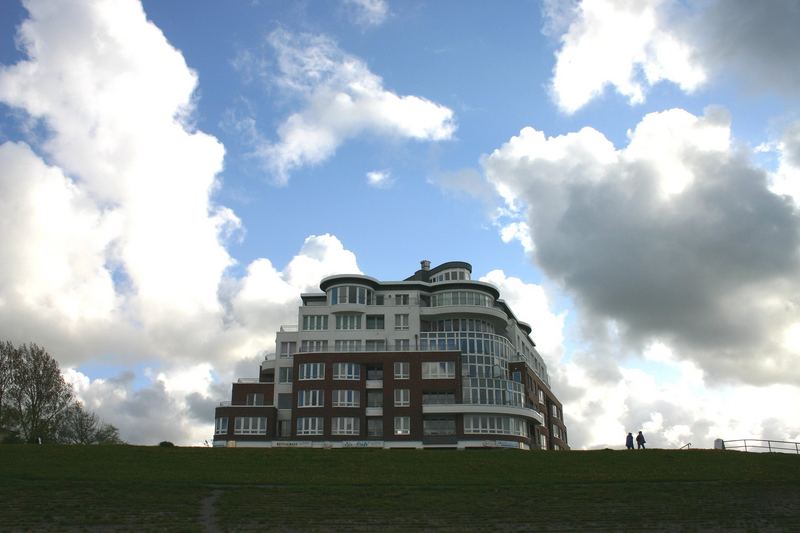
(687, 446)
(758, 445)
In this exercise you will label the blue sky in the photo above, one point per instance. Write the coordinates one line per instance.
(175, 174)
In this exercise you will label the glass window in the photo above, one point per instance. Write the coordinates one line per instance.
(401, 322)
(250, 425)
(312, 371)
(288, 349)
(346, 371)
(348, 345)
(375, 427)
(284, 428)
(438, 370)
(255, 398)
(310, 398)
(345, 398)
(314, 346)
(221, 425)
(285, 400)
(402, 345)
(348, 321)
(439, 426)
(541, 396)
(375, 346)
(402, 397)
(402, 370)
(285, 374)
(375, 321)
(374, 398)
(315, 322)
(345, 425)
(401, 299)
(402, 425)
(554, 410)
(310, 425)
(438, 397)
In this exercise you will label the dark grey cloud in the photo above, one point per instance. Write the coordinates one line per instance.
(757, 41)
(711, 270)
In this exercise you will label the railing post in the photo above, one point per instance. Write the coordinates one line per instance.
(769, 445)
(745, 444)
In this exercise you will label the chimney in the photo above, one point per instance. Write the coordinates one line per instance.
(425, 264)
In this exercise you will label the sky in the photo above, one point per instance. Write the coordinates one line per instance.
(173, 175)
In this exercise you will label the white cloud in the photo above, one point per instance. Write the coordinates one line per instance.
(341, 100)
(786, 179)
(379, 179)
(115, 248)
(369, 12)
(627, 45)
(531, 305)
(632, 46)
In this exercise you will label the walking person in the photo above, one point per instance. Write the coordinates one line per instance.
(629, 441)
(640, 441)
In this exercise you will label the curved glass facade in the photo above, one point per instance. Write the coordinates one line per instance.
(351, 294)
(443, 298)
(484, 364)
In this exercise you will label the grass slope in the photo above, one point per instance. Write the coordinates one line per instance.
(121, 488)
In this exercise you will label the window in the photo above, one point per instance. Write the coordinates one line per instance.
(438, 398)
(401, 299)
(350, 295)
(402, 425)
(348, 345)
(310, 398)
(255, 398)
(401, 370)
(314, 346)
(345, 425)
(374, 398)
(285, 400)
(541, 396)
(312, 371)
(375, 371)
(378, 299)
(315, 322)
(402, 345)
(346, 371)
(402, 397)
(517, 376)
(556, 433)
(250, 425)
(497, 425)
(284, 428)
(309, 425)
(543, 441)
(288, 349)
(439, 370)
(375, 346)
(285, 374)
(221, 425)
(445, 425)
(375, 427)
(345, 398)
(348, 321)
(554, 410)
(375, 321)
(401, 322)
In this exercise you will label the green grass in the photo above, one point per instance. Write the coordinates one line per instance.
(126, 488)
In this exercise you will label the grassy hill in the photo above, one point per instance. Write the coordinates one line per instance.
(123, 488)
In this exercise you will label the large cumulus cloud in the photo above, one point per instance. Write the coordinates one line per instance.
(676, 237)
(114, 250)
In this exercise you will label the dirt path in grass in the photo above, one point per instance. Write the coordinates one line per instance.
(208, 512)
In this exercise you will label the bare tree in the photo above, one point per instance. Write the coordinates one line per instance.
(7, 353)
(38, 392)
(79, 426)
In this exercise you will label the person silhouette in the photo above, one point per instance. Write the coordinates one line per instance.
(629, 441)
(640, 441)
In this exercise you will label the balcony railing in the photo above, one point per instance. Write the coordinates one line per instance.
(289, 328)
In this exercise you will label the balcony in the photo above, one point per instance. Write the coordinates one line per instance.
(374, 383)
(374, 411)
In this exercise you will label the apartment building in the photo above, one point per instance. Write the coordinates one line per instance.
(435, 360)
